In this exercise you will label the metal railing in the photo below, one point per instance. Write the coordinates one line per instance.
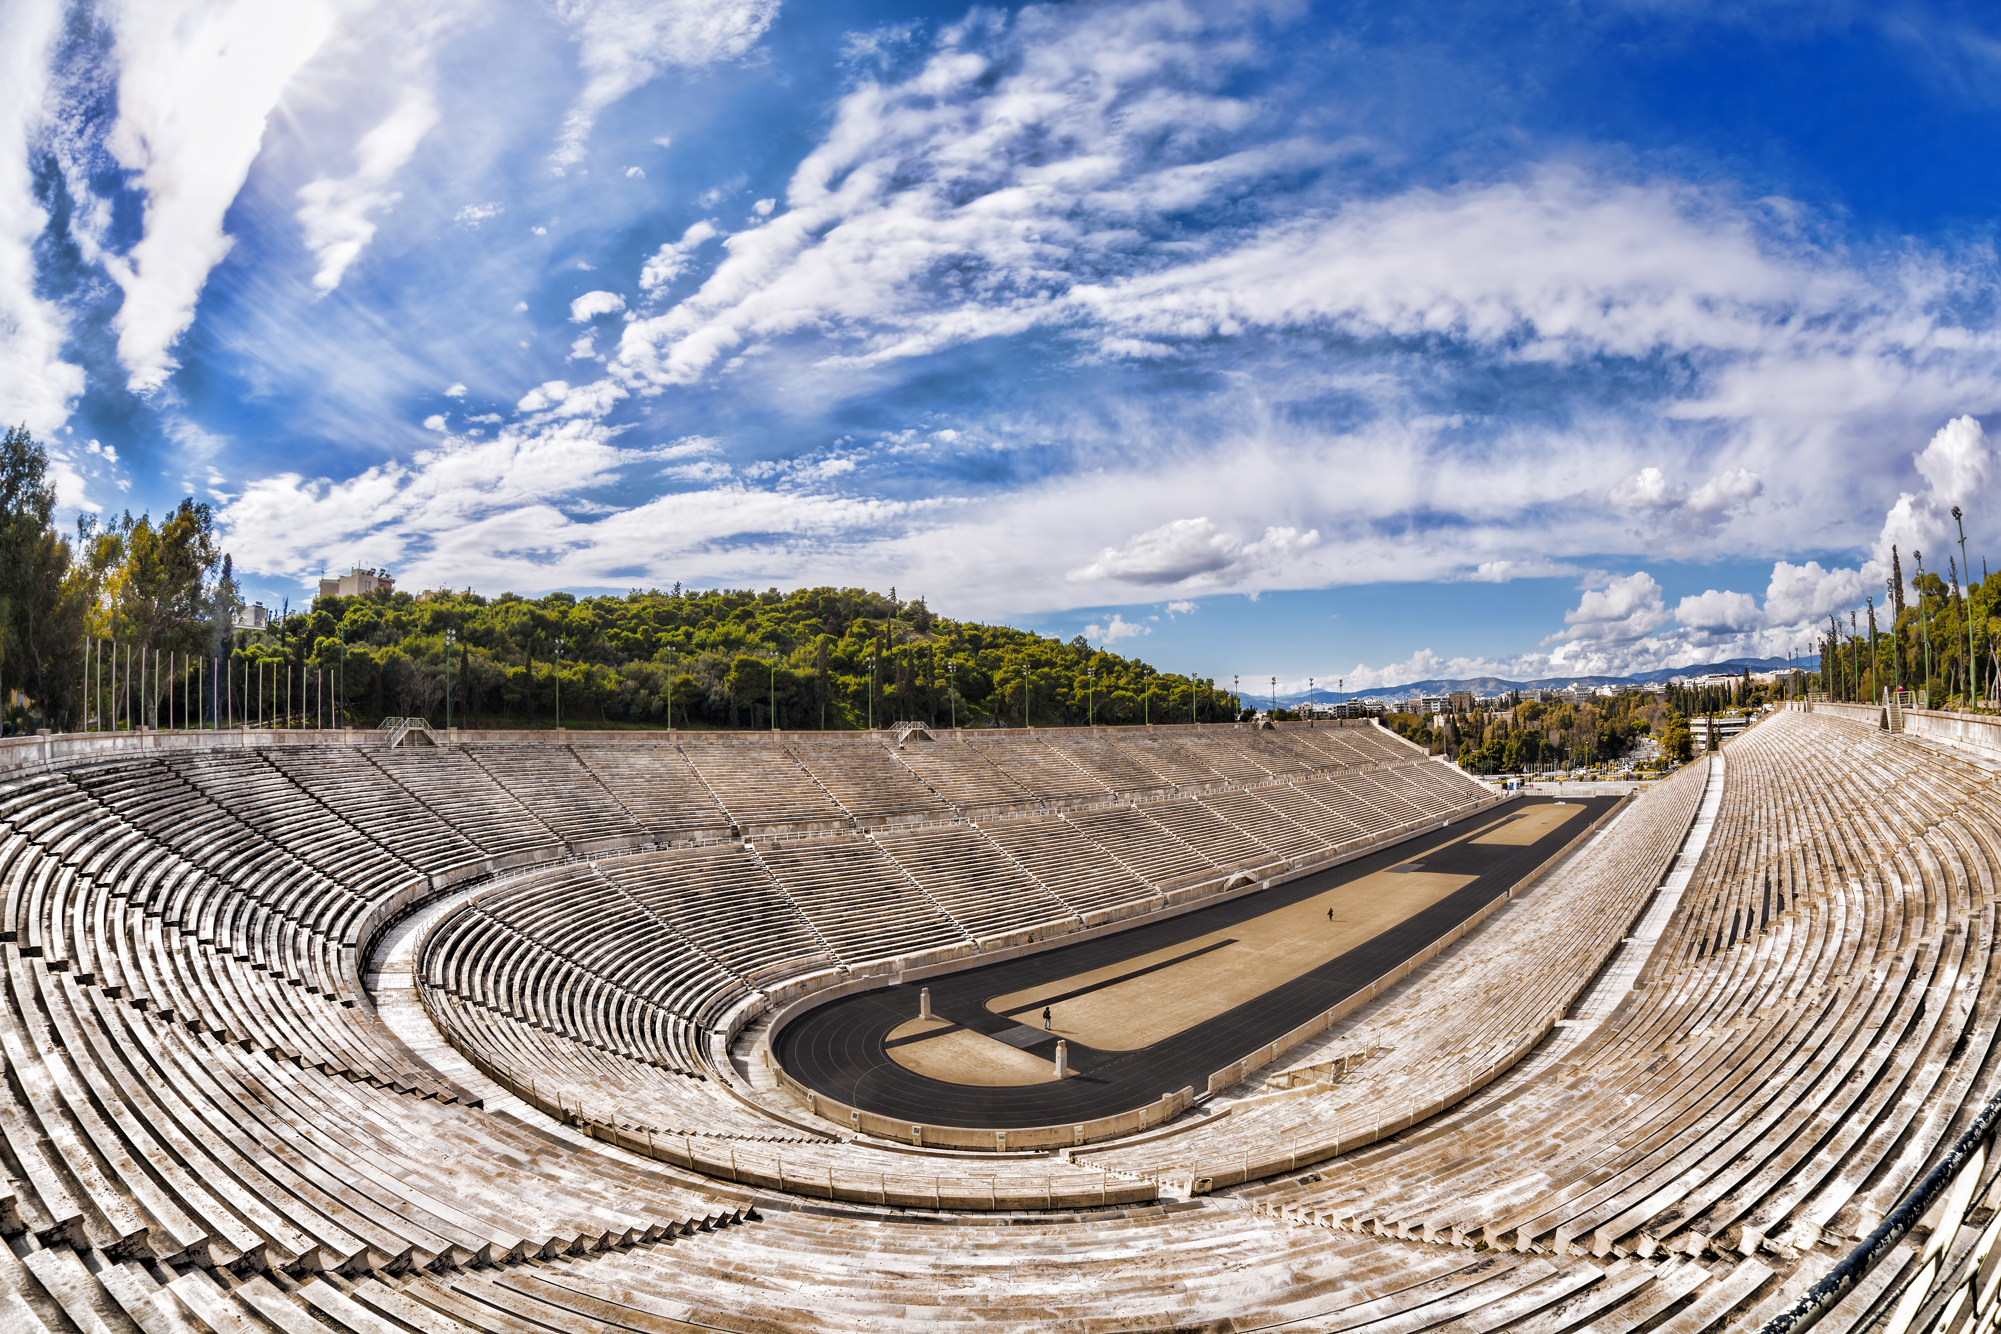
(1955, 1274)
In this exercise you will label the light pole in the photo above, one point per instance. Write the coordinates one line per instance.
(1274, 695)
(774, 692)
(1896, 639)
(451, 638)
(559, 683)
(1924, 622)
(1236, 692)
(1855, 656)
(952, 690)
(1956, 518)
(1090, 697)
(1875, 672)
(1309, 701)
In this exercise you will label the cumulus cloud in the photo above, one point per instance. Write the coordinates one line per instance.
(1114, 630)
(1713, 610)
(1625, 608)
(622, 44)
(1726, 491)
(456, 391)
(472, 215)
(1191, 550)
(196, 82)
(593, 304)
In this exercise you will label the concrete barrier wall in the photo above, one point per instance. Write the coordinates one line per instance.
(1977, 732)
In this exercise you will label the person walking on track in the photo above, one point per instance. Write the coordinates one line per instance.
(1045, 1019)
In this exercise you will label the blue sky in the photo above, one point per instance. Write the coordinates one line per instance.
(1364, 341)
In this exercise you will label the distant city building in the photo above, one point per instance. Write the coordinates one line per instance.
(252, 617)
(357, 582)
(1461, 701)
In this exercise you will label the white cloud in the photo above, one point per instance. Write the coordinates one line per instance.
(1190, 550)
(1957, 462)
(38, 385)
(197, 80)
(1627, 607)
(763, 207)
(592, 304)
(1803, 594)
(1726, 491)
(623, 43)
(671, 259)
(1528, 567)
(540, 397)
(435, 422)
(635, 173)
(336, 214)
(1648, 489)
(561, 399)
(456, 391)
(1713, 610)
(492, 513)
(472, 215)
(1181, 608)
(1113, 631)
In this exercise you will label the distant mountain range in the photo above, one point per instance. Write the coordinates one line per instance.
(1494, 685)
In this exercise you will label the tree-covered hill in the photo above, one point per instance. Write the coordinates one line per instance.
(85, 616)
(822, 657)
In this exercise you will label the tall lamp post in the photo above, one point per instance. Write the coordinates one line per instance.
(1855, 657)
(451, 638)
(1970, 665)
(1875, 671)
(774, 692)
(1924, 622)
(558, 669)
(1090, 696)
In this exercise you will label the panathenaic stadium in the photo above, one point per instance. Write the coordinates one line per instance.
(1197, 1027)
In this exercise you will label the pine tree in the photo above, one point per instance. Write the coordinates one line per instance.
(1896, 586)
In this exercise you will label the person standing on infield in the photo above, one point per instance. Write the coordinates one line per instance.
(1045, 1019)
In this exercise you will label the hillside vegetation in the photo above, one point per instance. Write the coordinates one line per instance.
(80, 610)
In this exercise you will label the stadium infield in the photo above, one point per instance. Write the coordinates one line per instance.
(1159, 1007)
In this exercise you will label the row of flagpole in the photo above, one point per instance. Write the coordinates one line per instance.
(182, 683)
